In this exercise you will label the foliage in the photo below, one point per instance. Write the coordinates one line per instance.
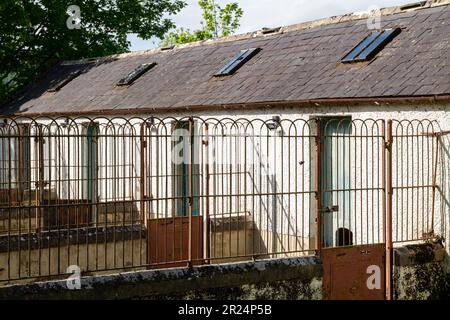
(217, 22)
(34, 34)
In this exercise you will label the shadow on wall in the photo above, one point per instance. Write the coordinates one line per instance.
(235, 239)
(281, 230)
(238, 236)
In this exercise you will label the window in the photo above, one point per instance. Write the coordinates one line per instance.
(238, 61)
(135, 74)
(56, 87)
(24, 165)
(371, 45)
(15, 163)
(90, 162)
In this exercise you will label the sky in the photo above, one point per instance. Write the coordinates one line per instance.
(271, 13)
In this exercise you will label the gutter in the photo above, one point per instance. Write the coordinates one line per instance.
(377, 101)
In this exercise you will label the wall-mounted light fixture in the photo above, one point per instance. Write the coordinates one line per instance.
(274, 123)
(150, 124)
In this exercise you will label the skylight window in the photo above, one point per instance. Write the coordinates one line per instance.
(135, 74)
(238, 61)
(56, 87)
(371, 45)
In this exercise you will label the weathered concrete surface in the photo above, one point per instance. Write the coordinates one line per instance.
(419, 272)
(290, 278)
(37, 254)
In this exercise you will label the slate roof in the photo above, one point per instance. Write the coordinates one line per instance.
(301, 63)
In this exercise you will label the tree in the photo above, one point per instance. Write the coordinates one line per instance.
(36, 34)
(217, 22)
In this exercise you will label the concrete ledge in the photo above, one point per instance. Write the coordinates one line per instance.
(290, 278)
(418, 254)
(64, 237)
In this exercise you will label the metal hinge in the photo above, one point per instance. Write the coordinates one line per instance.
(330, 209)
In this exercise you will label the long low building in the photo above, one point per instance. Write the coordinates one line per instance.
(311, 139)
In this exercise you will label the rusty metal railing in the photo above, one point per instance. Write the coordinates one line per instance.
(135, 193)
(415, 171)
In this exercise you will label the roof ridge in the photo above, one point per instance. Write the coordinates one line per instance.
(353, 16)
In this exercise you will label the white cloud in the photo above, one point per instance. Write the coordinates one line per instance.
(272, 13)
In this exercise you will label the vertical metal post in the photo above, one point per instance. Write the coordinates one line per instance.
(40, 192)
(142, 180)
(40, 176)
(190, 188)
(142, 196)
(318, 186)
(21, 176)
(383, 176)
(434, 183)
(206, 184)
(388, 225)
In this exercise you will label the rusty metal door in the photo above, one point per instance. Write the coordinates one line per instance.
(351, 207)
(354, 273)
(168, 241)
(170, 190)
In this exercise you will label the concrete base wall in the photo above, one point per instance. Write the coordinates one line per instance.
(54, 261)
(294, 278)
(420, 273)
(50, 253)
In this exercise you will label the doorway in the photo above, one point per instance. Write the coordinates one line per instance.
(353, 262)
(336, 181)
(175, 237)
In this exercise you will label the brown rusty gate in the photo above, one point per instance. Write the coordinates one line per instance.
(377, 184)
(351, 208)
